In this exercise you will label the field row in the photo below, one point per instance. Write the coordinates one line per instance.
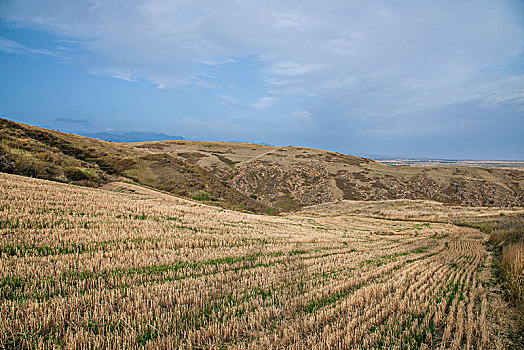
(90, 268)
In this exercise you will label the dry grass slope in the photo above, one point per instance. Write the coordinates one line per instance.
(128, 267)
(246, 177)
(507, 243)
(57, 156)
(290, 178)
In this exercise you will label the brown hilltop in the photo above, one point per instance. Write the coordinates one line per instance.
(247, 176)
(292, 177)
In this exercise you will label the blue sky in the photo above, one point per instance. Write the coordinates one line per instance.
(411, 78)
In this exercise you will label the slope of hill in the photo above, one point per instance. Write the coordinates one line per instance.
(247, 176)
(57, 156)
(293, 177)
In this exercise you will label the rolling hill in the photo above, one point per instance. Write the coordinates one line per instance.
(247, 177)
(292, 177)
(53, 155)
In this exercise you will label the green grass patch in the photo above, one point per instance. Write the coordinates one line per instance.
(202, 196)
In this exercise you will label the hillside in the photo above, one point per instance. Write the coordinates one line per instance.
(294, 177)
(52, 155)
(246, 176)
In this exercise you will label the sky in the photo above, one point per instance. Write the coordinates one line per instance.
(434, 79)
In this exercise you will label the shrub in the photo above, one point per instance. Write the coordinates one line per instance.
(76, 174)
(202, 196)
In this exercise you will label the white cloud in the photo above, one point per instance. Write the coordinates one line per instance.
(367, 58)
(220, 63)
(291, 69)
(123, 75)
(11, 46)
(288, 20)
(265, 102)
(226, 100)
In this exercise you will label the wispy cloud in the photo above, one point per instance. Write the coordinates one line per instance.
(265, 102)
(292, 69)
(118, 74)
(220, 63)
(345, 65)
(384, 59)
(288, 20)
(11, 46)
(226, 100)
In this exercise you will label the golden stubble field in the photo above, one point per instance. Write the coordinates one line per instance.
(128, 267)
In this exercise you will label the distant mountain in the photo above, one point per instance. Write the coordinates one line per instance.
(133, 136)
(251, 142)
(376, 156)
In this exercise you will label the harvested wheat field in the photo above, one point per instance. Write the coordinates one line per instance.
(128, 267)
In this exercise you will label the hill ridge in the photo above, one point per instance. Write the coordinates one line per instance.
(244, 176)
